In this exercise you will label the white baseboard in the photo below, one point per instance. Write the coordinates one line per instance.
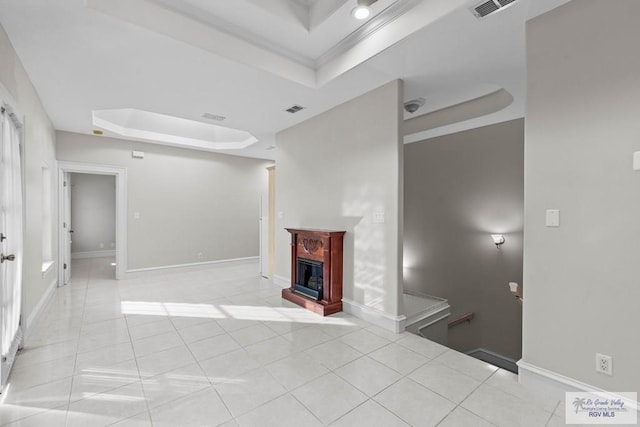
(374, 316)
(495, 359)
(93, 254)
(283, 282)
(40, 306)
(186, 267)
(553, 384)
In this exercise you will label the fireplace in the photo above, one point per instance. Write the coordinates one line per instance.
(316, 270)
(309, 278)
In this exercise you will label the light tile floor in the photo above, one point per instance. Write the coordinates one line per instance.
(219, 347)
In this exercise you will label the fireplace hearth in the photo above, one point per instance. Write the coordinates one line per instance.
(316, 270)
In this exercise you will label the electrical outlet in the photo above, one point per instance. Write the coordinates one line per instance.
(604, 364)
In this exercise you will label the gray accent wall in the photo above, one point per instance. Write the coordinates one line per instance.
(460, 189)
(583, 125)
(189, 202)
(93, 212)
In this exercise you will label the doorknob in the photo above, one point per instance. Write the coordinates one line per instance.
(4, 258)
(2, 237)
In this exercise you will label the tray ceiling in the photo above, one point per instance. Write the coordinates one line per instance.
(249, 60)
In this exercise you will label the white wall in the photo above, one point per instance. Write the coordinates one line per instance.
(39, 148)
(583, 125)
(93, 213)
(333, 172)
(189, 202)
(460, 189)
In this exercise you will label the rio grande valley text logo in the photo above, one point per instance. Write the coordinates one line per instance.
(601, 408)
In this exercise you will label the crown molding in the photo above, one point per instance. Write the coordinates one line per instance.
(180, 21)
(368, 29)
(186, 10)
(371, 27)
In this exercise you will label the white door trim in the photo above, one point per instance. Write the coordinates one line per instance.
(264, 235)
(66, 228)
(120, 174)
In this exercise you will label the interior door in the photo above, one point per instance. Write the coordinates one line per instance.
(66, 227)
(11, 240)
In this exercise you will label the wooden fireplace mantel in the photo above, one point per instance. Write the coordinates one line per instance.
(323, 246)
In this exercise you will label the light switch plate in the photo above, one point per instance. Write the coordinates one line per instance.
(553, 218)
(378, 217)
(636, 161)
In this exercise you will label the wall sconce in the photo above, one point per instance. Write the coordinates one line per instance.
(498, 240)
(363, 9)
(516, 290)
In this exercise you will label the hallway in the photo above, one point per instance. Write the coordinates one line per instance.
(219, 346)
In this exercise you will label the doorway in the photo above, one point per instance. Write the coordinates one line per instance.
(264, 236)
(267, 226)
(67, 171)
(92, 224)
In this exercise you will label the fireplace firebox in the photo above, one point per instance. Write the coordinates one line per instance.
(316, 270)
(309, 278)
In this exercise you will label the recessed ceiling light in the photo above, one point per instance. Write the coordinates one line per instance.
(363, 9)
(361, 12)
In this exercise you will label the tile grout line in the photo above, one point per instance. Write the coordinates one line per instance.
(75, 363)
(553, 413)
(309, 410)
(138, 369)
(213, 387)
(329, 370)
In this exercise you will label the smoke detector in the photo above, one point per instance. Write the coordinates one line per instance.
(413, 105)
(489, 7)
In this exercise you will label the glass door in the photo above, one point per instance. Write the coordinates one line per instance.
(11, 245)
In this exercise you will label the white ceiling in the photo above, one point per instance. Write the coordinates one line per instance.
(248, 60)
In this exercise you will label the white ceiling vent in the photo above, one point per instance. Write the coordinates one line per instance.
(490, 6)
(294, 109)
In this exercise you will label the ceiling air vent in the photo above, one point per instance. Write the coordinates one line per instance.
(213, 117)
(490, 6)
(294, 109)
